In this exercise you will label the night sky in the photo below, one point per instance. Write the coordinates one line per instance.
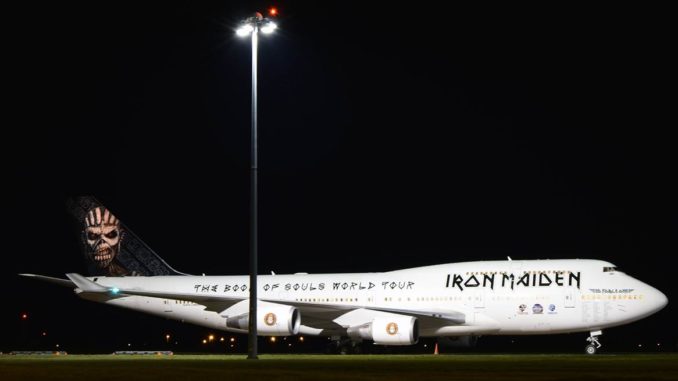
(391, 136)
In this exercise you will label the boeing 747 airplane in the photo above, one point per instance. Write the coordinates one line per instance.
(470, 299)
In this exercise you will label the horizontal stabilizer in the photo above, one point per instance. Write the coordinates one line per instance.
(59, 281)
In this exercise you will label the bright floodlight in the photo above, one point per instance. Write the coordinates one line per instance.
(244, 30)
(269, 27)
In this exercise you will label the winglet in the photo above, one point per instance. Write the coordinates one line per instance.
(85, 284)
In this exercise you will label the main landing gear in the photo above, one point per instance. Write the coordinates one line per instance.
(592, 348)
(342, 346)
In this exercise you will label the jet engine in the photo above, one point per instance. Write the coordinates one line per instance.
(272, 320)
(395, 330)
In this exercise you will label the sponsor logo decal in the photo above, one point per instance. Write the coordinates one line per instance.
(392, 328)
(537, 309)
(552, 309)
(522, 309)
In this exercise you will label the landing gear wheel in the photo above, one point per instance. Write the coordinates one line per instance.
(592, 348)
(343, 346)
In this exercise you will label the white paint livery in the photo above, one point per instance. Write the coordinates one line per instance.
(510, 297)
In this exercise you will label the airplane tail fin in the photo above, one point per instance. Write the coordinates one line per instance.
(109, 247)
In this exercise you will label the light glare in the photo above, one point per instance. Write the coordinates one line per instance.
(244, 30)
(269, 27)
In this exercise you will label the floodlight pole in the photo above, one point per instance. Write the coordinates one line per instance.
(252, 26)
(252, 321)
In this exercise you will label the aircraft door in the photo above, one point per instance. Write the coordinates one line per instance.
(479, 299)
(570, 297)
(167, 305)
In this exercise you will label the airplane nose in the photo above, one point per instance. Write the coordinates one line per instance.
(658, 299)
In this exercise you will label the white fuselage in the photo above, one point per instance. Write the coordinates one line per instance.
(495, 297)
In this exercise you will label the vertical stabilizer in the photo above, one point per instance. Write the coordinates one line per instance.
(109, 247)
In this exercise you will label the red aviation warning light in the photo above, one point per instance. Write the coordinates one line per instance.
(273, 11)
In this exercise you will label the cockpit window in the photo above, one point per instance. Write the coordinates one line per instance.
(609, 269)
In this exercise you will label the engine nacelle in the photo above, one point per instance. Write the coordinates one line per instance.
(272, 320)
(396, 330)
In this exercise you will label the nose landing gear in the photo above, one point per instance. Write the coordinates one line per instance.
(592, 348)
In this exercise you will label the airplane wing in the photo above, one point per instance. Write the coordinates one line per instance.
(334, 311)
(211, 303)
(314, 315)
(326, 316)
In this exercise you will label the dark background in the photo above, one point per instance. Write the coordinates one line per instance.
(391, 136)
